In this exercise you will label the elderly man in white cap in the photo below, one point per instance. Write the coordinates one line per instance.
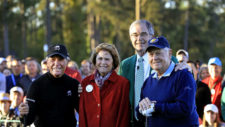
(16, 96)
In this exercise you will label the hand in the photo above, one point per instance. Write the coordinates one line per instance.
(147, 107)
(181, 66)
(23, 108)
(144, 104)
(80, 89)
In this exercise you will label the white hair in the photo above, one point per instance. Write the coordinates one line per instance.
(148, 25)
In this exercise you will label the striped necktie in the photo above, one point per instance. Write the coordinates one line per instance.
(139, 80)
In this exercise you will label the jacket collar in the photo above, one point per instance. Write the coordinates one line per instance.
(112, 78)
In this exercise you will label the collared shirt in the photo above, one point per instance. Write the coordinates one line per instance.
(166, 74)
(146, 65)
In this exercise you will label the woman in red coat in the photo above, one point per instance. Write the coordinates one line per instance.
(104, 101)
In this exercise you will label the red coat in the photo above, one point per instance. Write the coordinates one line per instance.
(216, 97)
(73, 74)
(108, 107)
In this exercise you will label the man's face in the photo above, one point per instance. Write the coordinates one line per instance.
(159, 59)
(204, 73)
(3, 65)
(44, 68)
(214, 70)
(4, 106)
(139, 36)
(86, 68)
(16, 98)
(31, 67)
(181, 57)
(56, 65)
(16, 67)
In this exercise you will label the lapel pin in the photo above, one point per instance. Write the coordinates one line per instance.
(89, 88)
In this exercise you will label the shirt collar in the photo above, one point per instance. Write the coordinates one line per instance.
(167, 73)
(145, 57)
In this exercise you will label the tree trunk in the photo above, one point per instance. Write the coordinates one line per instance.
(24, 30)
(93, 28)
(5, 29)
(91, 31)
(137, 9)
(48, 23)
(186, 30)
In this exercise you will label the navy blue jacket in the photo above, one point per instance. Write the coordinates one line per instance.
(10, 83)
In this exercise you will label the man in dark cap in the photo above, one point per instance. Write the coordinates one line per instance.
(167, 96)
(52, 98)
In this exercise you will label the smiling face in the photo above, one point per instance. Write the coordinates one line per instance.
(159, 59)
(139, 37)
(104, 62)
(56, 65)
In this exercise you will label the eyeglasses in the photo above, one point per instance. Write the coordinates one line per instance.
(142, 34)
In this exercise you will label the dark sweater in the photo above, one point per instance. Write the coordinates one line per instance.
(55, 101)
(203, 97)
(26, 81)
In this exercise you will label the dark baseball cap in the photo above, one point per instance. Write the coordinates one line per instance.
(58, 49)
(158, 42)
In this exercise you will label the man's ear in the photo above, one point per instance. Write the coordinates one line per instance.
(170, 52)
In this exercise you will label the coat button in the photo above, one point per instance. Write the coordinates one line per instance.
(97, 116)
(98, 105)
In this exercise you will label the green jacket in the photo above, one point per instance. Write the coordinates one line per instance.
(127, 70)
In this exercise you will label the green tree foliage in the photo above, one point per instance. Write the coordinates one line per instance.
(69, 22)
(73, 19)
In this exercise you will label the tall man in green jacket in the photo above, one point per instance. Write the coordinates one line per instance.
(140, 31)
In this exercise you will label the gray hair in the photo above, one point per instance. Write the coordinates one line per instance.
(167, 49)
(148, 25)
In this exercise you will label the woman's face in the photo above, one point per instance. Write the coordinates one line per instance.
(204, 73)
(104, 62)
(210, 117)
